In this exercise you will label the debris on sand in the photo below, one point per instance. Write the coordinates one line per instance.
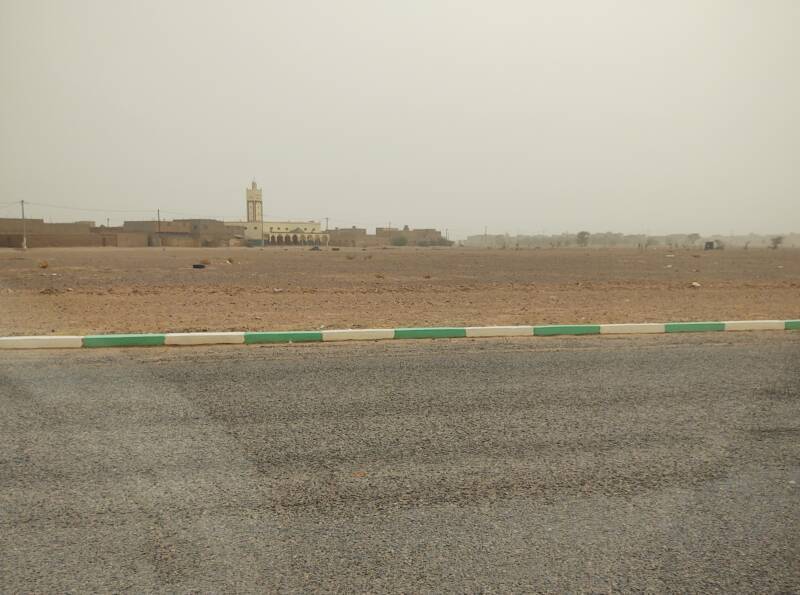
(43, 264)
(199, 266)
(695, 285)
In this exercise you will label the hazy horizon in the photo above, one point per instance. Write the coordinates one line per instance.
(522, 117)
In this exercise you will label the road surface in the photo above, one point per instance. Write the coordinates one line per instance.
(668, 463)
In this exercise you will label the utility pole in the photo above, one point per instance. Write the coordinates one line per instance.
(262, 229)
(485, 236)
(326, 223)
(108, 222)
(158, 215)
(24, 227)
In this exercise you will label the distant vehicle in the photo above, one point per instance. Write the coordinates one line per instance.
(315, 248)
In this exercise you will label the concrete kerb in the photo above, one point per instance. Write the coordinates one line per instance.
(41, 342)
(367, 334)
(204, 338)
(212, 338)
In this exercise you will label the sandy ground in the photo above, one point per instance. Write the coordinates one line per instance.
(85, 290)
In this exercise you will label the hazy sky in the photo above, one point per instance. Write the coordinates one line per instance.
(633, 116)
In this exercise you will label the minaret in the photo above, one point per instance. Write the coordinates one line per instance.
(255, 211)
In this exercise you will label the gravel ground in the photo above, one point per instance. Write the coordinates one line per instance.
(98, 290)
(662, 464)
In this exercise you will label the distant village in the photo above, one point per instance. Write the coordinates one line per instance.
(254, 230)
(188, 233)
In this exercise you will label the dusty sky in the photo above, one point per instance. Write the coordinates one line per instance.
(523, 116)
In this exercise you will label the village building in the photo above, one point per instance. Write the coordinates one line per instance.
(36, 233)
(256, 230)
(357, 237)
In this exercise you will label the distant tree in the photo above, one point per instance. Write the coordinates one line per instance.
(399, 241)
(693, 237)
(775, 242)
(582, 238)
(650, 242)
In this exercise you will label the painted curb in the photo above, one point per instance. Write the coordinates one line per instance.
(282, 337)
(203, 338)
(40, 342)
(499, 331)
(430, 333)
(143, 340)
(632, 329)
(551, 330)
(254, 338)
(755, 325)
(367, 334)
(693, 327)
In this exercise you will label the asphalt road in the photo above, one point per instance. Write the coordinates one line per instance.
(668, 463)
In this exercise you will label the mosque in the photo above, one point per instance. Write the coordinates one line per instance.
(276, 233)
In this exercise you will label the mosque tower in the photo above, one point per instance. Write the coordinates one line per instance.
(255, 212)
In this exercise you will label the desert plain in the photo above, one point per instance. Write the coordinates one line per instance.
(109, 290)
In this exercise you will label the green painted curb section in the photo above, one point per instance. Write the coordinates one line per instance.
(282, 337)
(792, 325)
(693, 327)
(566, 329)
(123, 340)
(430, 333)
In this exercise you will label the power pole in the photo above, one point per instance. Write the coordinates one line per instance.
(158, 215)
(24, 227)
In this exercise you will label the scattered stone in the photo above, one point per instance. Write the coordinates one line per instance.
(43, 264)
(695, 285)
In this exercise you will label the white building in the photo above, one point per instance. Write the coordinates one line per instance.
(276, 233)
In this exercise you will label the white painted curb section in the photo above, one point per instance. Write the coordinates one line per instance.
(203, 338)
(366, 334)
(632, 329)
(755, 325)
(499, 331)
(40, 342)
